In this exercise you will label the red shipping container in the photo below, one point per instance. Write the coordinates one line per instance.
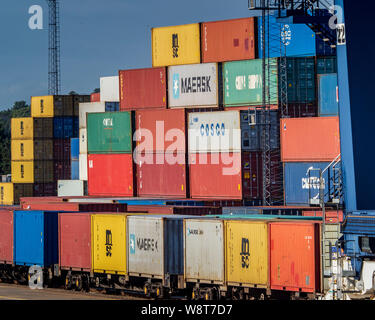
(6, 236)
(162, 180)
(76, 207)
(295, 256)
(95, 97)
(228, 40)
(215, 175)
(110, 174)
(75, 241)
(310, 139)
(143, 89)
(331, 216)
(180, 210)
(172, 123)
(252, 175)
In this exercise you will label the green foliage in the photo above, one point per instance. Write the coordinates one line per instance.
(20, 110)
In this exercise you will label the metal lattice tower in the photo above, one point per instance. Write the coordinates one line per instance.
(54, 82)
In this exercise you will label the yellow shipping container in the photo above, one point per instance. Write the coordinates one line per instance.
(22, 150)
(108, 243)
(176, 45)
(6, 194)
(42, 107)
(246, 253)
(22, 128)
(23, 171)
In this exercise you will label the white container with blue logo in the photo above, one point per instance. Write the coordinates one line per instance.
(217, 131)
(196, 85)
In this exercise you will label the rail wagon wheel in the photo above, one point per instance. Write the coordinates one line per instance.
(78, 284)
(68, 283)
(147, 290)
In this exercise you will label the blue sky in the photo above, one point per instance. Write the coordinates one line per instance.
(98, 37)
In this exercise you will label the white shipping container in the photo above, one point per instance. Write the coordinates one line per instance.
(217, 131)
(109, 89)
(204, 250)
(83, 141)
(83, 167)
(89, 107)
(193, 85)
(70, 188)
(146, 246)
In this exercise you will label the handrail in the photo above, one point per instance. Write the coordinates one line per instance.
(331, 163)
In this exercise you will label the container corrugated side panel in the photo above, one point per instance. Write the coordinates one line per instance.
(74, 147)
(6, 236)
(22, 150)
(83, 141)
(214, 132)
(70, 188)
(174, 246)
(109, 89)
(204, 251)
(74, 170)
(89, 107)
(328, 95)
(176, 45)
(6, 194)
(42, 106)
(22, 128)
(194, 85)
(83, 167)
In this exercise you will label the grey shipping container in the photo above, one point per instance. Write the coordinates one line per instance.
(43, 128)
(43, 149)
(155, 247)
(43, 171)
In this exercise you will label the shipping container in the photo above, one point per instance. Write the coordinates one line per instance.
(109, 132)
(301, 79)
(214, 132)
(6, 236)
(310, 139)
(204, 251)
(195, 85)
(325, 65)
(302, 183)
(62, 170)
(112, 106)
(70, 188)
(83, 167)
(77, 100)
(176, 45)
(215, 175)
(323, 48)
(243, 82)
(176, 210)
(43, 128)
(74, 206)
(300, 110)
(163, 125)
(143, 89)
(85, 108)
(21, 190)
(161, 175)
(156, 247)
(75, 241)
(65, 127)
(74, 168)
(109, 89)
(298, 269)
(44, 190)
(332, 217)
(95, 97)
(35, 238)
(108, 241)
(22, 171)
(44, 171)
(22, 128)
(43, 149)
(110, 175)
(295, 39)
(246, 253)
(6, 194)
(253, 124)
(74, 148)
(252, 175)
(328, 95)
(83, 141)
(228, 40)
(52, 106)
(61, 149)
(22, 150)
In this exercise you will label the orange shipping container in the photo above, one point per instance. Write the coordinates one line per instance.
(310, 139)
(228, 40)
(295, 256)
(331, 216)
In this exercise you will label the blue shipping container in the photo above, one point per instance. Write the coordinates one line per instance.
(112, 106)
(299, 39)
(74, 148)
(35, 238)
(300, 187)
(328, 95)
(75, 170)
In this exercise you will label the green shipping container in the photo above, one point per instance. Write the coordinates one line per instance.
(326, 65)
(109, 132)
(243, 82)
(301, 80)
